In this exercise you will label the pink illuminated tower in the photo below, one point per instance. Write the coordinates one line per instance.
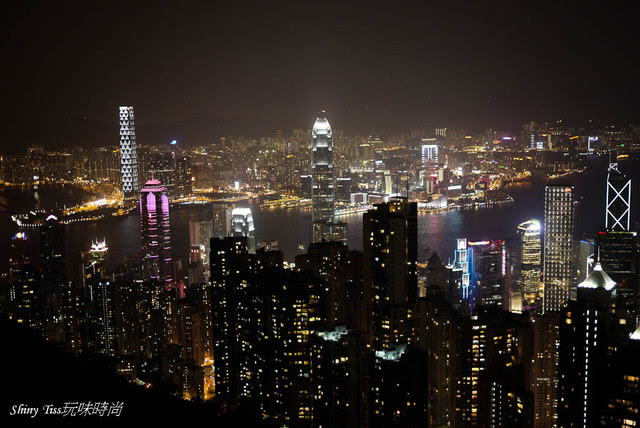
(155, 230)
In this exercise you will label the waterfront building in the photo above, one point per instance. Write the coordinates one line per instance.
(221, 219)
(242, 225)
(558, 246)
(322, 159)
(128, 155)
(155, 230)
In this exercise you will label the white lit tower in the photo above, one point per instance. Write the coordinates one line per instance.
(618, 212)
(323, 184)
(322, 190)
(128, 156)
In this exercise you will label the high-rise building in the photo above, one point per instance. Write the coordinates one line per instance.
(155, 230)
(544, 370)
(618, 211)
(390, 241)
(619, 254)
(529, 233)
(489, 259)
(558, 246)
(128, 156)
(242, 225)
(586, 335)
(222, 219)
(322, 191)
(99, 302)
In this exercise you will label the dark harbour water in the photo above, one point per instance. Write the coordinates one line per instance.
(292, 227)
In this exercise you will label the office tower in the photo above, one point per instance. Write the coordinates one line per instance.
(343, 190)
(323, 195)
(200, 234)
(586, 334)
(183, 177)
(586, 258)
(99, 302)
(221, 219)
(128, 156)
(429, 151)
(155, 230)
(618, 211)
(242, 225)
(531, 261)
(558, 246)
(489, 260)
(619, 254)
(390, 244)
(306, 185)
(159, 165)
(461, 291)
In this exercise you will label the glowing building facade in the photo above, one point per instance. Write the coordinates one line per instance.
(128, 156)
(242, 225)
(529, 233)
(322, 189)
(558, 246)
(618, 212)
(155, 230)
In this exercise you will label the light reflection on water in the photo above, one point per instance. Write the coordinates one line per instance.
(292, 227)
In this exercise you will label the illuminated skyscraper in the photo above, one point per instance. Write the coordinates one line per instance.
(242, 225)
(558, 246)
(128, 156)
(155, 230)
(529, 233)
(322, 192)
(618, 212)
(99, 300)
(587, 333)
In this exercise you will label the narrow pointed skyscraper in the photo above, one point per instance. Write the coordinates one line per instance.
(323, 184)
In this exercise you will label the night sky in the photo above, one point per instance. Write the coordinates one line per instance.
(197, 71)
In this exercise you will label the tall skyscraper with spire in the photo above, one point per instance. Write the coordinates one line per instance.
(323, 184)
(128, 156)
(155, 230)
(322, 191)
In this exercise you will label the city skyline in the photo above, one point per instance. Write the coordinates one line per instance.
(451, 240)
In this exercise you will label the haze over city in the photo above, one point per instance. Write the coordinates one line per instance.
(320, 214)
